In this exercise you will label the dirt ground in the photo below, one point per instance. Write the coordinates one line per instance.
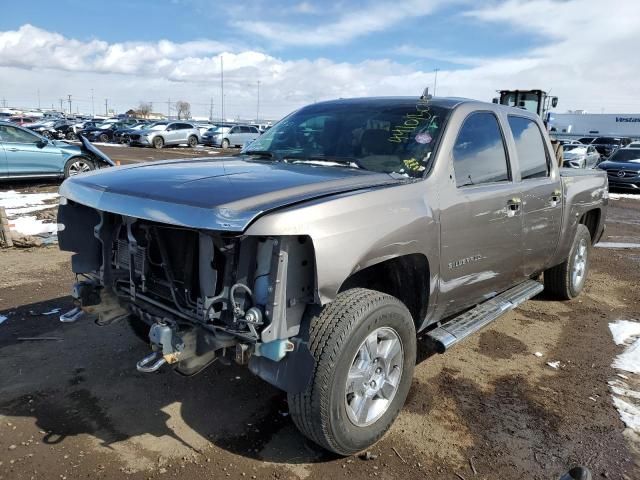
(74, 406)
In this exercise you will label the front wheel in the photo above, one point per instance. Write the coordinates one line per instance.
(158, 142)
(104, 138)
(225, 143)
(71, 136)
(192, 141)
(364, 346)
(567, 280)
(77, 165)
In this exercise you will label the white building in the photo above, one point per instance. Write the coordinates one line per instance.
(573, 125)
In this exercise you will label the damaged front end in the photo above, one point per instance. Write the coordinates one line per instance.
(205, 295)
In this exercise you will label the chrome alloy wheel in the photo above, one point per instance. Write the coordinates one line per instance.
(79, 166)
(374, 376)
(579, 264)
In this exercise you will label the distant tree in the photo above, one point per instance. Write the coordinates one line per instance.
(144, 109)
(183, 109)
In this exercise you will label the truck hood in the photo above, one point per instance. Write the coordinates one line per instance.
(221, 194)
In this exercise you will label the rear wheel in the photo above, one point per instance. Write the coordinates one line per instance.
(158, 142)
(567, 280)
(71, 136)
(225, 143)
(77, 165)
(364, 345)
(103, 137)
(192, 141)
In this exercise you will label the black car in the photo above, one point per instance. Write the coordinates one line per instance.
(53, 129)
(607, 145)
(103, 133)
(623, 168)
(121, 135)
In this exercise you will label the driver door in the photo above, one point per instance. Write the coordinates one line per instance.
(27, 154)
(480, 218)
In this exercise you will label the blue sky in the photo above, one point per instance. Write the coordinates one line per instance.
(301, 51)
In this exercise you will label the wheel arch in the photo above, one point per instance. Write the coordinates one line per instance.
(591, 220)
(406, 277)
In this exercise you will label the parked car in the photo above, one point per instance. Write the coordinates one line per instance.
(634, 145)
(580, 156)
(317, 255)
(21, 120)
(623, 168)
(25, 154)
(104, 132)
(236, 136)
(204, 127)
(166, 133)
(566, 141)
(121, 135)
(607, 145)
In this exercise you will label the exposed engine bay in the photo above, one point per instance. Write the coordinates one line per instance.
(204, 295)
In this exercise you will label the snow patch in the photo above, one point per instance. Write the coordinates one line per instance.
(33, 226)
(618, 196)
(18, 205)
(555, 364)
(625, 390)
(617, 245)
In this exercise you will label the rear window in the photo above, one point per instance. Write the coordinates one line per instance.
(532, 155)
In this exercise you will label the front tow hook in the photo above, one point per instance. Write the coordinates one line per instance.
(151, 363)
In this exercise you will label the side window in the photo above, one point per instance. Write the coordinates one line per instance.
(16, 135)
(479, 155)
(185, 126)
(253, 130)
(532, 155)
(235, 130)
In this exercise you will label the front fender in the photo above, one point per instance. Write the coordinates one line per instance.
(353, 231)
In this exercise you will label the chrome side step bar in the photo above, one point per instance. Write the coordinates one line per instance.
(454, 330)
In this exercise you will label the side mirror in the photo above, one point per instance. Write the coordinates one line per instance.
(41, 143)
(554, 102)
(495, 100)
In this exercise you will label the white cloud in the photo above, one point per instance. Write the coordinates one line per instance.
(582, 51)
(352, 23)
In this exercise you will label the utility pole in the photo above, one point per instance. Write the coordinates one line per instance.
(61, 109)
(106, 107)
(93, 107)
(435, 81)
(211, 110)
(221, 88)
(168, 108)
(38, 99)
(69, 100)
(258, 107)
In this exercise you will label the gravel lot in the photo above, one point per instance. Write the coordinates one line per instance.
(75, 407)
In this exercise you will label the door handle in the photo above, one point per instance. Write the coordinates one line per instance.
(555, 198)
(13, 149)
(513, 206)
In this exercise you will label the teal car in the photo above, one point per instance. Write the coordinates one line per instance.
(25, 154)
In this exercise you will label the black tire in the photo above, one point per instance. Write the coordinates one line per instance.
(225, 143)
(47, 134)
(336, 334)
(560, 280)
(71, 136)
(104, 138)
(78, 165)
(158, 142)
(192, 141)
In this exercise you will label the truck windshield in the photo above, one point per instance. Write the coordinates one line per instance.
(394, 138)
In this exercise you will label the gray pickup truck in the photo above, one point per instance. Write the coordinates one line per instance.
(318, 254)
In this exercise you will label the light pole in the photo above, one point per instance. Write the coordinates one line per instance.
(221, 87)
(69, 100)
(258, 107)
(93, 107)
(435, 81)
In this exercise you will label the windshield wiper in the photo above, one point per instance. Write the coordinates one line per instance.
(262, 153)
(346, 161)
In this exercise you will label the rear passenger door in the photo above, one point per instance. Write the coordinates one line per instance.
(541, 193)
(480, 217)
(234, 136)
